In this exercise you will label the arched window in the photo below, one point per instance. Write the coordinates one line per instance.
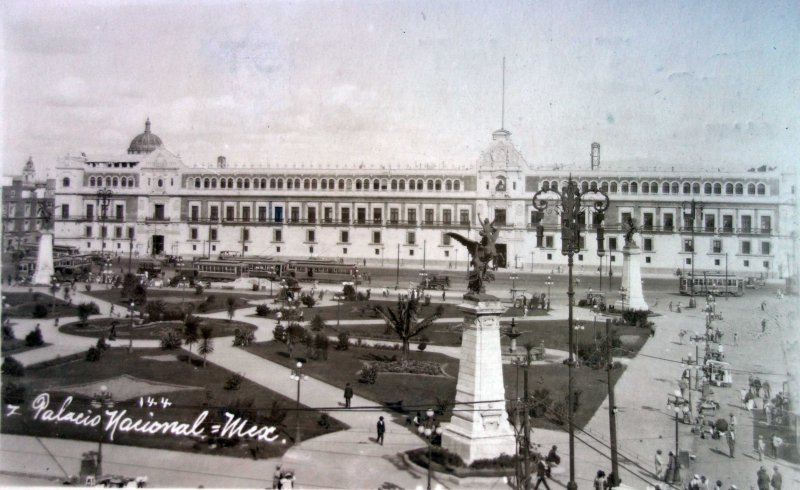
(553, 185)
(206, 183)
(696, 188)
(280, 183)
(604, 186)
(448, 185)
(197, 183)
(437, 185)
(687, 188)
(358, 184)
(419, 185)
(613, 187)
(624, 187)
(296, 183)
(430, 184)
(91, 182)
(223, 183)
(376, 185)
(65, 182)
(402, 184)
(717, 188)
(394, 184)
(263, 183)
(751, 189)
(341, 184)
(412, 185)
(213, 183)
(728, 188)
(762, 189)
(306, 184)
(634, 188)
(348, 185)
(331, 183)
(230, 183)
(324, 184)
(457, 185)
(654, 187)
(665, 188)
(246, 183)
(238, 183)
(739, 189)
(645, 188)
(108, 181)
(289, 183)
(114, 182)
(313, 184)
(584, 186)
(123, 182)
(707, 188)
(676, 188)
(272, 183)
(160, 182)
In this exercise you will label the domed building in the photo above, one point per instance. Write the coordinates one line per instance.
(144, 142)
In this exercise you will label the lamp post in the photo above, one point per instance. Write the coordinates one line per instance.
(578, 329)
(513, 278)
(101, 401)
(130, 331)
(428, 429)
(297, 376)
(675, 404)
(548, 283)
(569, 204)
(103, 198)
(690, 209)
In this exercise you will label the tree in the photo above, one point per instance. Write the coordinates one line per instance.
(191, 331)
(295, 334)
(231, 307)
(129, 283)
(84, 310)
(404, 321)
(206, 343)
(317, 323)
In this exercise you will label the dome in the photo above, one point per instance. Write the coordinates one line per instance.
(145, 142)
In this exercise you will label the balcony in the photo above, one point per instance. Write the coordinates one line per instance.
(157, 219)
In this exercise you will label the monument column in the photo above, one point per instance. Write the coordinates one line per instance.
(632, 296)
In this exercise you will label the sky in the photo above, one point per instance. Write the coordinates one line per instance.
(325, 83)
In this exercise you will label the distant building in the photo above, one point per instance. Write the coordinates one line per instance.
(161, 205)
(24, 201)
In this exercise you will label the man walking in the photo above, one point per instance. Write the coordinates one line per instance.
(541, 475)
(762, 479)
(381, 430)
(777, 479)
(731, 437)
(348, 395)
(659, 464)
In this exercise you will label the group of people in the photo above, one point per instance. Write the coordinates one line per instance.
(282, 479)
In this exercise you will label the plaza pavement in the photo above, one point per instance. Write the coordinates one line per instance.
(350, 458)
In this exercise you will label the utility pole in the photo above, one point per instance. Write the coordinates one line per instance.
(612, 409)
(397, 272)
(527, 426)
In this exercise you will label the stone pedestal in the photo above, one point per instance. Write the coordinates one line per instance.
(44, 261)
(484, 431)
(632, 297)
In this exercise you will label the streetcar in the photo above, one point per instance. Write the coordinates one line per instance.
(219, 270)
(711, 283)
(72, 267)
(323, 271)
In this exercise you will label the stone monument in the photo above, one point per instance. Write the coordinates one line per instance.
(631, 295)
(44, 260)
(483, 431)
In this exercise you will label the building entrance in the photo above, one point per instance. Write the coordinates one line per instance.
(158, 244)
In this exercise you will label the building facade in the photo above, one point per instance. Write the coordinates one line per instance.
(158, 204)
(26, 201)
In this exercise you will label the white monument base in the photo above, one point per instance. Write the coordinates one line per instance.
(484, 431)
(631, 286)
(44, 261)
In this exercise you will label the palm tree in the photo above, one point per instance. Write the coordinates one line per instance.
(404, 321)
(206, 343)
(190, 332)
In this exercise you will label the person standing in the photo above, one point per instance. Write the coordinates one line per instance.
(764, 325)
(599, 480)
(761, 447)
(777, 479)
(276, 477)
(731, 437)
(381, 430)
(541, 475)
(348, 395)
(762, 479)
(774, 443)
(659, 464)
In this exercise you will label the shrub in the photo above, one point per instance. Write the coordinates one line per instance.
(349, 292)
(308, 300)
(317, 323)
(37, 296)
(93, 354)
(409, 367)
(39, 310)
(635, 317)
(361, 296)
(501, 462)
(155, 310)
(321, 343)
(542, 402)
(34, 338)
(343, 342)
(558, 414)
(243, 338)
(262, 310)
(443, 457)
(13, 367)
(8, 332)
(171, 339)
(279, 333)
(13, 393)
(582, 302)
(198, 290)
(421, 346)
(234, 382)
(102, 344)
(324, 421)
(255, 287)
(368, 374)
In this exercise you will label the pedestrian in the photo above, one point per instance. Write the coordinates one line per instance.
(56, 322)
(703, 482)
(600, 479)
(670, 306)
(762, 478)
(730, 435)
(761, 446)
(718, 485)
(732, 422)
(659, 464)
(669, 475)
(348, 395)
(444, 295)
(276, 477)
(541, 475)
(735, 338)
(764, 325)
(112, 309)
(777, 479)
(548, 304)
(765, 387)
(381, 430)
(774, 443)
(763, 305)
(768, 408)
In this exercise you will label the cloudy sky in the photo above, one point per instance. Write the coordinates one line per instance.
(326, 82)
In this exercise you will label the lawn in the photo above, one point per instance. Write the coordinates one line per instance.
(21, 305)
(173, 296)
(101, 326)
(419, 392)
(201, 389)
(11, 347)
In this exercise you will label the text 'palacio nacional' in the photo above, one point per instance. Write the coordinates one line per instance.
(160, 204)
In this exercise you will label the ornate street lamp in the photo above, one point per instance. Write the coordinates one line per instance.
(513, 278)
(690, 209)
(103, 198)
(130, 332)
(548, 283)
(429, 429)
(101, 401)
(297, 376)
(569, 204)
(676, 404)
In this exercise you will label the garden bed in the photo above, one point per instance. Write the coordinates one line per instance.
(150, 331)
(200, 389)
(22, 305)
(186, 297)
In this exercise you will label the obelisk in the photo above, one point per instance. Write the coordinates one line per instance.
(44, 261)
